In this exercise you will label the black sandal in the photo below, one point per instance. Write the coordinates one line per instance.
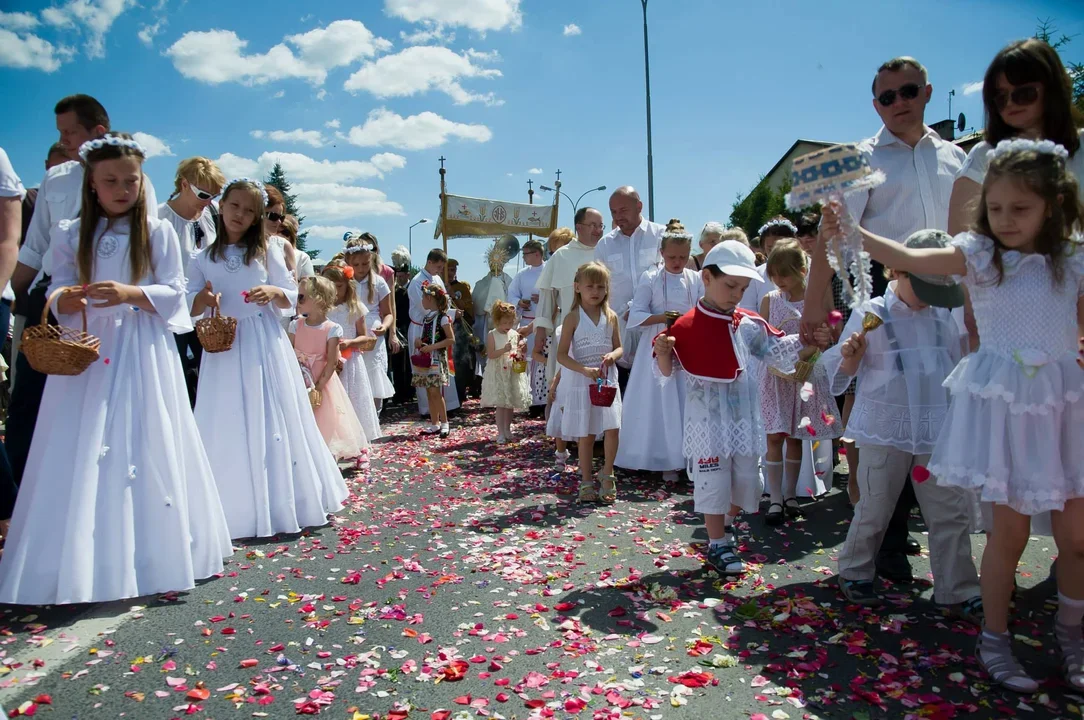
(793, 509)
(774, 517)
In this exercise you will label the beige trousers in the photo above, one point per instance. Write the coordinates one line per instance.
(882, 471)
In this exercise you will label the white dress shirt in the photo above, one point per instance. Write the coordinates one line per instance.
(60, 197)
(628, 258)
(186, 230)
(757, 290)
(918, 185)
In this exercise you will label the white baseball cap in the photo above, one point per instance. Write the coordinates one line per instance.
(733, 258)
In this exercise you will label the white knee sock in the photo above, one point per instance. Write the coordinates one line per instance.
(773, 473)
(1070, 611)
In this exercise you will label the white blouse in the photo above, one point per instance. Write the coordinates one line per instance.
(659, 291)
(978, 162)
(900, 400)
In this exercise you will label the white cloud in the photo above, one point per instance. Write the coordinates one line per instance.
(310, 137)
(18, 21)
(331, 201)
(973, 87)
(304, 169)
(333, 124)
(147, 33)
(279, 94)
(332, 233)
(322, 94)
(417, 132)
(419, 69)
(477, 15)
(30, 52)
(93, 17)
(218, 56)
(430, 34)
(572, 29)
(534, 171)
(153, 146)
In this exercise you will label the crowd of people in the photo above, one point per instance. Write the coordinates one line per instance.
(959, 386)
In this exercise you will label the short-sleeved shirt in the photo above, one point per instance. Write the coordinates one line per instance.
(978, 162)
(10, 187)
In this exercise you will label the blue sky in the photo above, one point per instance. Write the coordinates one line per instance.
(362, 98)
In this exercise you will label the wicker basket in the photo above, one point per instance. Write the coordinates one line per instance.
(217, 332)
(519, 366)
(368, 343)
(315, 397)
(802, 370)
(59, 350)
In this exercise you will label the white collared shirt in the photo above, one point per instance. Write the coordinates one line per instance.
(757, 290)
(627, 259)
(60, 197)
(918, 185)
(186, 230)
(900, 400)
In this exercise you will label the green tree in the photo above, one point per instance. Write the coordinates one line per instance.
(277, 178)
(762, 203)
(1048, 33)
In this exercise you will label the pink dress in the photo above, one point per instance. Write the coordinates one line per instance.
(781, 404)
(335, 415)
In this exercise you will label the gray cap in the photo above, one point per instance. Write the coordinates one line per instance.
(936, 290)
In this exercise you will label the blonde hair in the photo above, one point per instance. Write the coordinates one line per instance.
(335, 271)
(439, 296)
(787, 259)
(361, 241)
(595, 272)
(501, 310)
(734, 234)
(201, 172)
(255, 239)
(560, 237)
(319, 289)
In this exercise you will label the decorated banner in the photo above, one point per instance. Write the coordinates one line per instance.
(476, 217)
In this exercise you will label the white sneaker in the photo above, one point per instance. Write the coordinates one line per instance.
(561, 459)
(430, 429)
(444, 430)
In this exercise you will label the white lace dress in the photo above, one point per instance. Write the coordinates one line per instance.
(355, 375)
(723, 418)
(376, 361)
(578, 417)
(1013, 430)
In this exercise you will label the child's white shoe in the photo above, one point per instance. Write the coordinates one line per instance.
(430, 429)
(560, 459)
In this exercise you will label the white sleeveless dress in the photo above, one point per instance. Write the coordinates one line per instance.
(355, 375)
(579, 418)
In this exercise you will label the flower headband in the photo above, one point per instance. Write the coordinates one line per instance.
(250, 181)
(432, 288)
(778, 222)
(363, 247)
(113, 141)
(1043, 147)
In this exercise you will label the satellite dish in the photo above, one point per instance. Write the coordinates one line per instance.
(961, 122)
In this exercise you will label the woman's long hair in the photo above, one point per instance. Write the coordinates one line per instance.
(139, 245)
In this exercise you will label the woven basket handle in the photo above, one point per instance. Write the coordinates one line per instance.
(49, 303)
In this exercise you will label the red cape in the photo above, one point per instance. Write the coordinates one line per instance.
(704, 341)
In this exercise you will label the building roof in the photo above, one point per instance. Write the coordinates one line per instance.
(784, 156)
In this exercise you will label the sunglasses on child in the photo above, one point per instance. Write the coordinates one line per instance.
(906, 92)
(201, 194)
(275, 217)
(1020, 96)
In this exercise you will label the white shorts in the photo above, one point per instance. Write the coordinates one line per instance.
(719, 482)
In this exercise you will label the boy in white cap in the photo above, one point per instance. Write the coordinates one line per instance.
(723, 435)
(899, 407)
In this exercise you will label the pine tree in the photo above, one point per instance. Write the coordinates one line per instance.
(762, 204)
(277, 178)
(1046, 31)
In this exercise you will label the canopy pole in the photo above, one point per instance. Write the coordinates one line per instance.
(443, 214)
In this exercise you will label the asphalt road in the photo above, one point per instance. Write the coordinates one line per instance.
(463, 581)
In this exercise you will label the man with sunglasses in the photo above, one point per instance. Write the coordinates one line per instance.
(189, 210)
(919, 168)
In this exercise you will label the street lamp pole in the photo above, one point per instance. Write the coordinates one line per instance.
(575, 203)
(410, 236)
(650, 161)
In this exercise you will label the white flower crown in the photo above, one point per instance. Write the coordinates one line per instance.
(112, 140)
(1044, 147)
(363, 247)
(250, 181)
(779, 222)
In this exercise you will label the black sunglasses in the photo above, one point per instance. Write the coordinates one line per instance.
(1020, 96)
(907, 92)
(275, 217)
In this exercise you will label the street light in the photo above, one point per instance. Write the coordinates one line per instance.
(650, 163)
(576, 204)
(410, 235)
